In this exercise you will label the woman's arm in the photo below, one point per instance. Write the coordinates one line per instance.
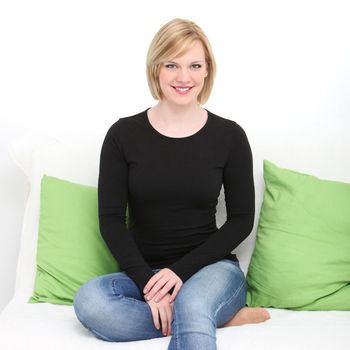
(112, 203)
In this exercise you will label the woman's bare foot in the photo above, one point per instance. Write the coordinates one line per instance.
(248, 315)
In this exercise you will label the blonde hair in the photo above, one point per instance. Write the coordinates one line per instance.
(173, 40)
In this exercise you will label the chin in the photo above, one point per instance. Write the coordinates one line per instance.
(183, 101)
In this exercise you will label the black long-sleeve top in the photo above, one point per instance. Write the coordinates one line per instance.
(171, 186)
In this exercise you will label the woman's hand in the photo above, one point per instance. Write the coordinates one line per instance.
(162, 314)
(161, 283)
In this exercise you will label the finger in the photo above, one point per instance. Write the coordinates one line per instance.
(169, 311)
(160, 283)
(159, 279)
(164, 291)
(163, 320)
(151, 282)
(155, 316)
(175, 291)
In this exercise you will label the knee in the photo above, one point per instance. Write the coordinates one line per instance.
(191, 307)
(236, 288)
(88, 301)
(232, 281)
(212, 288)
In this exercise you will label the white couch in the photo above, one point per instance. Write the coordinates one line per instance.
(39, 326)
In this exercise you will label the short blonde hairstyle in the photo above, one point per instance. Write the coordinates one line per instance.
(173, 40)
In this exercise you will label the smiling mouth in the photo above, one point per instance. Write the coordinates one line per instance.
(182, 89)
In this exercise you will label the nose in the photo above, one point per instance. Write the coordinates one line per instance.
(183, 75)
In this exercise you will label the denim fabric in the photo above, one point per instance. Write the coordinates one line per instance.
(113, 309)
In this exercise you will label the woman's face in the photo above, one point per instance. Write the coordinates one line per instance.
(181, 79)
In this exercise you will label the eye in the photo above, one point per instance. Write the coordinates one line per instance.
(170, 66)
(196, 66)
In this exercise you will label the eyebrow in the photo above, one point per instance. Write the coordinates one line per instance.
(198, 61)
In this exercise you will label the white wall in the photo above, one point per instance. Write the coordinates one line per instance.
(283, 74)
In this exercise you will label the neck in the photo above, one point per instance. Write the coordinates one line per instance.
(178, 114)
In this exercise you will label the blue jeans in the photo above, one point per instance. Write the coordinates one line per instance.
(113, 309)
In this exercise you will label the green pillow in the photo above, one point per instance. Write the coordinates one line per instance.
(301, 259)
(70, 248)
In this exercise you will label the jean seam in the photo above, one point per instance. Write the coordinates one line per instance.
(230, 299)
(176, 332)
(114, 282)
(121, 296)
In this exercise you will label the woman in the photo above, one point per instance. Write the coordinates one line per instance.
(167, 164)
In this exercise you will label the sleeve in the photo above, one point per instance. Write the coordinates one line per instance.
(239, 191)
(112, 203)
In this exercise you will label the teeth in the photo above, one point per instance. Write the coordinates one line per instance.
(183, 89)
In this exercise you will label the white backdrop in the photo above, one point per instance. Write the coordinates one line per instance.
(283, 74)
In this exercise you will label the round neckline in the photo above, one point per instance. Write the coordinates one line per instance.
(177, 138)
